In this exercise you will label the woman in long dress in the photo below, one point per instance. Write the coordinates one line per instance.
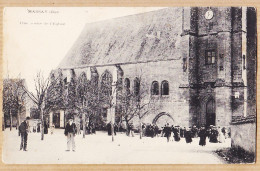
(188, 136)
(176, 133)
(221, 137)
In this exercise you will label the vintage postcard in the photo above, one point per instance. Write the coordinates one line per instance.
(129, 85)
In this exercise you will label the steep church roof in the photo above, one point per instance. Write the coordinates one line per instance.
(137, 38)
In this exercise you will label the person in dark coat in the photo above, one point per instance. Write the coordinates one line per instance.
(38, 127)
(188, 135)
(213, 138)
(23, 130)
(202, 134)
(176, 133)
(45, 127)
(152, 130)
(156, 130)
(109, 128)
(70, 132)
(181, 132)
(147, 130)
(167, 130)
(115, 128)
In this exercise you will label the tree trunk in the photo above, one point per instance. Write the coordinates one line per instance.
(18, 119)
(11, 120)
(112, 124)
(141, 130)
(84, 124)
(127, 128)
(112, 131)
(42, 124)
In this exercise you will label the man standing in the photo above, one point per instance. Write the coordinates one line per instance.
(23, 129)
(109, 129)
(167, 130)
(70, 131)
(131, 129)
(202, 135)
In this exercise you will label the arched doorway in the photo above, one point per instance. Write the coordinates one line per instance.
(163, 118)
(210, 113)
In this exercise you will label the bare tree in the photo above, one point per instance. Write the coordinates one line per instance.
(107, 96)
(38, 98)
(127, 107)
(55, 96)
(84, 95)
(142, 105)
(14, 98)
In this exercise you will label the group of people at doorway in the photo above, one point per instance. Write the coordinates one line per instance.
(213, 133)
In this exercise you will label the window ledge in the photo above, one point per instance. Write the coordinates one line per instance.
(165, 96)
(155, 95)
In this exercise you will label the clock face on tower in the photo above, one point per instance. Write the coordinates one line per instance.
(209, 15)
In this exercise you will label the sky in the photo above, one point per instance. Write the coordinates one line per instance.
(38, 38)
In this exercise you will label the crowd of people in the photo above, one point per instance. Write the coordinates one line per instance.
(213, 133)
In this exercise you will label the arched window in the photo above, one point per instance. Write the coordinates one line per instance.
(73, 75)
(82, 87)
(82, 78)
(94, 77)
(136, 86)
(106, 83)
(155, 88)
(165, 88)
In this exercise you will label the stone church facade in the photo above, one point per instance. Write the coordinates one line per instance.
(198, 64)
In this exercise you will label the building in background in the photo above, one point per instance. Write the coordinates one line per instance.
(16, 103)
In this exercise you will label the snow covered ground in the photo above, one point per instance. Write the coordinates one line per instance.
(99, 149)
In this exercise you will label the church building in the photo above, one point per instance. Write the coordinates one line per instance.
(198, 64)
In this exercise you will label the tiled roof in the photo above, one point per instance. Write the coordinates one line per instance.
(143, 37)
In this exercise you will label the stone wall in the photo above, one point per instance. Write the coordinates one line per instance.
(243, 135)
(223, 106)
(177, 102)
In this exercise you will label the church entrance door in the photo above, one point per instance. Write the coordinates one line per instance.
(210, 113)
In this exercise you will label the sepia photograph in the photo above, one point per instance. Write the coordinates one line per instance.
(129, 85)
